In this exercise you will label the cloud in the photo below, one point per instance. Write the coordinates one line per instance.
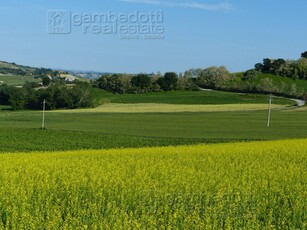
(224, 6)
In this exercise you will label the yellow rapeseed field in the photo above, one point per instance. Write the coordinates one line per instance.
(259, 185)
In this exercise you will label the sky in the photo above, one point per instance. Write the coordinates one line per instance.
(189, 34)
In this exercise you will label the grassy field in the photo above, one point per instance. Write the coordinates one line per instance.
(100, 130)
(27, 140)
(184, 97)
(15, 80)
(138, 125)
(4, 107)
(225, 186)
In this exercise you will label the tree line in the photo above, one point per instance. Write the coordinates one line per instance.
(254, 81)
(57, 96)
(193, 79)
(294, 69)
(142, 83)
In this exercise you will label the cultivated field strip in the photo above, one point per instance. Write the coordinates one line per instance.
(171, 108)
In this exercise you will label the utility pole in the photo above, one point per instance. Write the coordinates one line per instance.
(270, 108)
(43, 120)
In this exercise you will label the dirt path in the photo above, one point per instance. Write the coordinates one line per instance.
(299, 102)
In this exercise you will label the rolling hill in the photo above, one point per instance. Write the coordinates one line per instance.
(16, 75)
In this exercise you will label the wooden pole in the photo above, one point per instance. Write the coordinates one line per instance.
(43, 120)
(269, 112)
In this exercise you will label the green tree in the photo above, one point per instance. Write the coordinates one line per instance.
(304, 55)
(142, 82)
(267, 66)
(46, 81)
(80, 95)
(115, 83)
(266, 85)
(214, 77)
(17, 98)
(62, 97)
(259, 67)
(168, 82)
(277, 64)
(193, 73)
(302, 68)
(251, 74)
(4, 95)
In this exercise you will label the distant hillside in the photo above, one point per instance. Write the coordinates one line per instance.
(13, 65)
(93, 75)
(277, 76)
(13, 68)
(16, 75)
(267, 83)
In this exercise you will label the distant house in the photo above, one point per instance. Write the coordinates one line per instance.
(69, 79)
